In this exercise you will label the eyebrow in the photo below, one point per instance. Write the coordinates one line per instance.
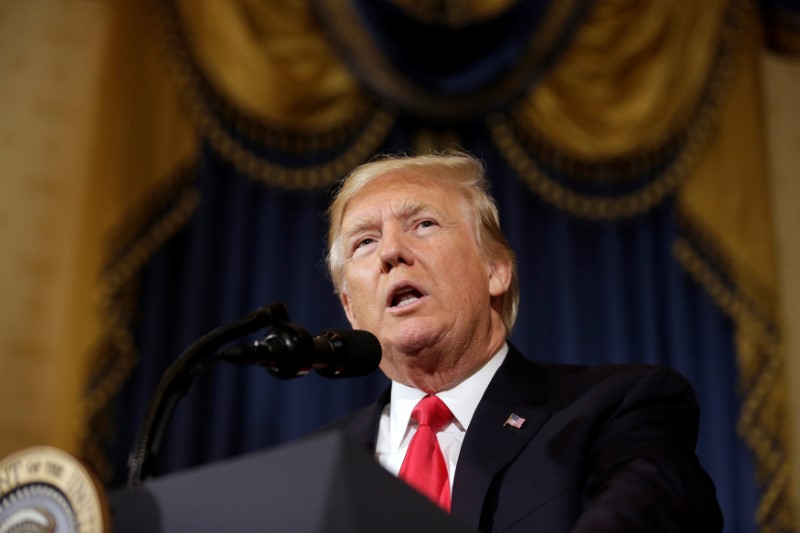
(361, 226)
(406, 210)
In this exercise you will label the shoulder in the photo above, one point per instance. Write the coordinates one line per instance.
(564, 384)
(617, 398)
(617, 379)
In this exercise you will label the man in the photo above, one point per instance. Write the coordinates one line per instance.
(417, 257)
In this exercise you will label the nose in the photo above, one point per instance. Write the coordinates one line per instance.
(394, 249)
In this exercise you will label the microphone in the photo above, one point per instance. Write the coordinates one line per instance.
(178, 378)
(289, 351)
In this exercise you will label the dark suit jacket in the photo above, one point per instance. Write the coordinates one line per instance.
(602, 448)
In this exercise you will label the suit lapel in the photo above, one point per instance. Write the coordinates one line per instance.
(362, 426)
(519, 387)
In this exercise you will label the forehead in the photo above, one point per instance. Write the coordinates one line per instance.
(403, 190)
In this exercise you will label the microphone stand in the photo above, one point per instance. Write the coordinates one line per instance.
(178, 379)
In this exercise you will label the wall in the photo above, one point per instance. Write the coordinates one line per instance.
(781, 91)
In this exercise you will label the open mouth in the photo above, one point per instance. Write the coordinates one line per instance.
(405, 296)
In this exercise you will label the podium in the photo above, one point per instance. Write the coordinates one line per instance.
(322, 483)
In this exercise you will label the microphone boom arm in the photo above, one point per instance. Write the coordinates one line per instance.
(288, 351)
(178, 379)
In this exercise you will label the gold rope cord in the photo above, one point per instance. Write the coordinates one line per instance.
(730, 249)
(581, 205)
(140, 137)
(160, 215)
(631, 78)
(358, 136)
(759, 351)
(603, 161)
(271, 59)
(392, 82)
(292, 178)
(763, 418)
(721, 204)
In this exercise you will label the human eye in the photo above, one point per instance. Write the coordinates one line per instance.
(366, 241)
(426, 223)
(359, 244)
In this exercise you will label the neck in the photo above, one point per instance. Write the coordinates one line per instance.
(437, 369)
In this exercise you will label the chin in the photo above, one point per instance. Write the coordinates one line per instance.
(412, 339)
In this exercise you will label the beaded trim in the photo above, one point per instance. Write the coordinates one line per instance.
(377, 69)
(116, 353)
(762, 369)
(209, 112)
(247, 162)
(524, 154)
(159, 216)
(593, 207)
(760, 301)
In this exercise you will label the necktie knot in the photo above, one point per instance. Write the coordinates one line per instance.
(432, 411)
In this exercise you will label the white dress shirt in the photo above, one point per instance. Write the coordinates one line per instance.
(396, 427)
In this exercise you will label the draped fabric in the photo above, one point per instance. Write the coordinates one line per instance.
(782, 26)
(613, 137)
(50, 53)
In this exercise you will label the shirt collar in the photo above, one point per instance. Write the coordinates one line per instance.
(462, 400)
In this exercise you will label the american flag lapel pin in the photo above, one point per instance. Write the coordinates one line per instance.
(514, 421)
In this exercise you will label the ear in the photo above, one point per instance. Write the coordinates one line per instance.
(348, 309)
(499, 277)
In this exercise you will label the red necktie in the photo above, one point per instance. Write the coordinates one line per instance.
(424, 467)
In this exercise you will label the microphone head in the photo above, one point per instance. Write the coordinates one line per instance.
(356, 353)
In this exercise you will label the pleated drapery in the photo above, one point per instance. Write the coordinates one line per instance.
(624, 152)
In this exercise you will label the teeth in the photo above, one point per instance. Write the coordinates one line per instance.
(406, 299)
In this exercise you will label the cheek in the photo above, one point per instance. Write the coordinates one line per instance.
(358, 285)
(360, 294)
(468, 273)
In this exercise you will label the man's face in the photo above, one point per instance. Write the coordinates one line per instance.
(413, 273)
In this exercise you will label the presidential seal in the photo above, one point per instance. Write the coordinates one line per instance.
(44, 489)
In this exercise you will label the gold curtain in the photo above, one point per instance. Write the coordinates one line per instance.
(631, 78)
(272, 64)
(142, 139)
(727, 202)
(95, 123)
(639, 74)
(50, 54)
(605, 103)
(272, 61)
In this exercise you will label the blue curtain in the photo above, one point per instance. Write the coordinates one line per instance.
(591, 293)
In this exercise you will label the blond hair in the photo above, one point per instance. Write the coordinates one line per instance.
(458, 171)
